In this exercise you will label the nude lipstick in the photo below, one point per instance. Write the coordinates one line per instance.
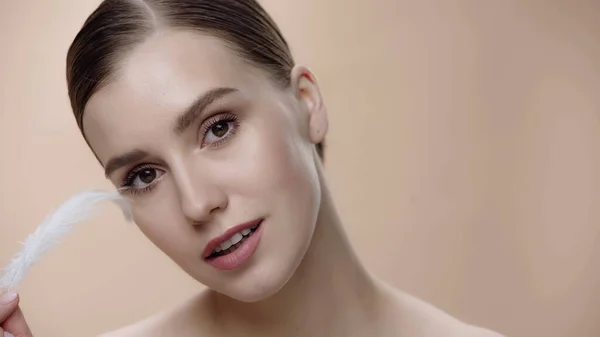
(234, 247)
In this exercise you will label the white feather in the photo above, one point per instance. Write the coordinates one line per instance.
(76, 209)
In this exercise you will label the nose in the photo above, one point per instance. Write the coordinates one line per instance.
(200, 197)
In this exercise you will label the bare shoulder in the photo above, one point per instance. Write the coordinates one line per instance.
(424, 320)
(173, 321)
(473, 331)
(148, 327)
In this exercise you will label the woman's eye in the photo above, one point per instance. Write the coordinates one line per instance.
(146, 177)
(218, 131)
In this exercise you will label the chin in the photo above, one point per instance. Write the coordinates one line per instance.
(258, 285)
(267, 273)
(256, 294)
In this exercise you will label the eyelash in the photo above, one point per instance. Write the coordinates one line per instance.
(128, 180)
(218, 118)
(127, 184)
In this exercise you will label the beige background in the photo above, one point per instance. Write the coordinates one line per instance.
(464, 155)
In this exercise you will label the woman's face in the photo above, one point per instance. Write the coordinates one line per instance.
(203, 143)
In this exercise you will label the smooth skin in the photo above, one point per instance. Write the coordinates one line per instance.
(248, 154)
(12, 321)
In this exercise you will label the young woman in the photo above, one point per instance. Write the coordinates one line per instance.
(198, 114)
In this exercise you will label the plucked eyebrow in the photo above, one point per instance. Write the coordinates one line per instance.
(116, 163)
(182, 122)
(197, 108)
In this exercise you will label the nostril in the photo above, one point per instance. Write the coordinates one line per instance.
(200, 199)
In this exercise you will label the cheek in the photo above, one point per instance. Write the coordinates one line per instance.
(277, 176)
(271, 159)
(162, 223)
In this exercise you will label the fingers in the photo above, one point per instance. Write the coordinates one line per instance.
(5, 334)
(12, 321)
(17, 325)
(8, 304)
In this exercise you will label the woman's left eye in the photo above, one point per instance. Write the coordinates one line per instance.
(218, 130)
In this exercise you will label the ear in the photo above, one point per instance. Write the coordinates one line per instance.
(306, 89)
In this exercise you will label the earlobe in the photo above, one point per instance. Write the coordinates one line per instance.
(307, 91)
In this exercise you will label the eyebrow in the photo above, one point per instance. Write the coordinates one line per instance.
(197, 108)
(183, 122)
(116, 163)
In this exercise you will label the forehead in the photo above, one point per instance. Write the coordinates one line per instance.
(157, 80)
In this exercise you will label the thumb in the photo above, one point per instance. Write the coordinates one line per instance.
(6, 334)
(17, 325)
(8, 304)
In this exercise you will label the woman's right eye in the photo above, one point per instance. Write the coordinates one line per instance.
(144, 178)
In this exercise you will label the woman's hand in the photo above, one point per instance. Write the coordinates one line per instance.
(12, 321)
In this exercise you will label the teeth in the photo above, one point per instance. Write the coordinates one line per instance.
(237, 237)
(225, 245)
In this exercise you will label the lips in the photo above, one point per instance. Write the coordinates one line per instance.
(231, 237)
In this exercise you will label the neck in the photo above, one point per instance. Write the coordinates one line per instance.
(330, 293)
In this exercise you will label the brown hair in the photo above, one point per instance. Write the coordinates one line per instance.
(116, 26)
